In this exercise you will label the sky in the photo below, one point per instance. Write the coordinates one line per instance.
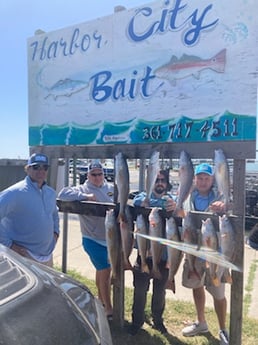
(19, 19)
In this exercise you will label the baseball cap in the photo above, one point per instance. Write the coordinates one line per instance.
(95, 165)
(204, 168)
(38, 158)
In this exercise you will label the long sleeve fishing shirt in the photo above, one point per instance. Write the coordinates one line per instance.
(29, 217)
(91, 226)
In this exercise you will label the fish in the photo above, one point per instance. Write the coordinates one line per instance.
(122, 182)
(155, 230)
(190, 235)
(189, 65)
(127, 238)
(210, 240)
(113, 241)
(142, 243)
(227, 244)
(63, 87)
(174, 255)
(152, 172)
(186, 175)
(222, 176)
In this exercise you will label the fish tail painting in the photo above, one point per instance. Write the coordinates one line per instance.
(189, 65)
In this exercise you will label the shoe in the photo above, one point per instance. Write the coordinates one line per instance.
(195, 329)
(160, 327)
(224, 338)
(133, 329)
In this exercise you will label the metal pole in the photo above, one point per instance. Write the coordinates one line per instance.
(65, 222)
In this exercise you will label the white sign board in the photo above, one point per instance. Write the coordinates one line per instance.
(168, 71)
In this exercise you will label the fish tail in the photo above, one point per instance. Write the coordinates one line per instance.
(145, 268)
(220, 61)
(179, 212)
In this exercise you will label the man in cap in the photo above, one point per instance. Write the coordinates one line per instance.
(204, 198)
(95, 188)
(29, 222)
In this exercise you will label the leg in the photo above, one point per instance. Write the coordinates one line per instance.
(103, 283)
(158, 296)
(221, 311)
(141, 282)
(199, 301)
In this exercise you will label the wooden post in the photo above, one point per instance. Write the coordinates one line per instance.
(236, 307)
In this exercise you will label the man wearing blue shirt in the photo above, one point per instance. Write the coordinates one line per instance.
(160, 197)
(29, 222)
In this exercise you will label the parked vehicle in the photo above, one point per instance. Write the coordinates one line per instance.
(39, 305)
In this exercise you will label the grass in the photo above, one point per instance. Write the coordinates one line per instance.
(176, 313)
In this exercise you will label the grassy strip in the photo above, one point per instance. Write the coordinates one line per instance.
(176, 313)
(249, 287)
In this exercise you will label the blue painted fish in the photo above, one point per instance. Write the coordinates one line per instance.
(189, 65)
(62, 88)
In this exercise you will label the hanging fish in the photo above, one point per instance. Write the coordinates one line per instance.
(174, 255)
(152, 172)
(155, 230)
(142, 242)
(112, 238)
(127, 239)
(222, 176)
(210, 240)
(186, 174)
(123, 183)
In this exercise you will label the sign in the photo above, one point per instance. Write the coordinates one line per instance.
(168, 71)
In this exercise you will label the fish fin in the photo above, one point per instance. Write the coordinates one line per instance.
(179, 212)
(215, 281)
(127, 266)
(145, 268)
(170, 285)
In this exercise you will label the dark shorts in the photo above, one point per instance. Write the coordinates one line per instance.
(98, 253)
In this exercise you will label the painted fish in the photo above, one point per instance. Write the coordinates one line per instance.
(189, 65)
(227, 243)
(210, 240)
(112, 238)
(222, 175)
(190, 235)
(155, 230)
(174, 255)
(142, 243)
(127, 239)
(186, 174)
(122, 183)
(152, 172)
(63, 87)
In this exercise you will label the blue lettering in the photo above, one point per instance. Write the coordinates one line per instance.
(169, 21)
(122, 88)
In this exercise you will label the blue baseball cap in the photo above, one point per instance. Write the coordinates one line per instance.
(38, 158)
(204, 168)
(95, 165)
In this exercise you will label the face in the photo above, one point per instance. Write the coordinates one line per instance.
(96, 177)
(160, 184)
(203, 183)
(38, 173)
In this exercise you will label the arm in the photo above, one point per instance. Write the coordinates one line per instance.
(75, 193)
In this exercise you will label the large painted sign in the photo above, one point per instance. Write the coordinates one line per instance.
(168, 71)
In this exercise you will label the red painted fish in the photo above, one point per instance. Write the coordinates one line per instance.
(189, 65)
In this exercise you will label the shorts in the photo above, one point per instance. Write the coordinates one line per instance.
(198, 278)
(97, 252)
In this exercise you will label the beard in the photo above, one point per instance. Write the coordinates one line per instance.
(159, 189)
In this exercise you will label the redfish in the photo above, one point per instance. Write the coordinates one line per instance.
(189, 65)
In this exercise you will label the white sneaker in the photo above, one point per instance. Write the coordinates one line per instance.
(195, 329)
(224, 338)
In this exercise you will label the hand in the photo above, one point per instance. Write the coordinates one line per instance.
(218, 207)
(170, 205)
(91, 197)
(19, 249)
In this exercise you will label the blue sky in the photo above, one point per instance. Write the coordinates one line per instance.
(19, 19)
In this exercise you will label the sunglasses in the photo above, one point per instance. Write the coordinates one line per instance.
(162, 180)
(94, 174)
(40, 167)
